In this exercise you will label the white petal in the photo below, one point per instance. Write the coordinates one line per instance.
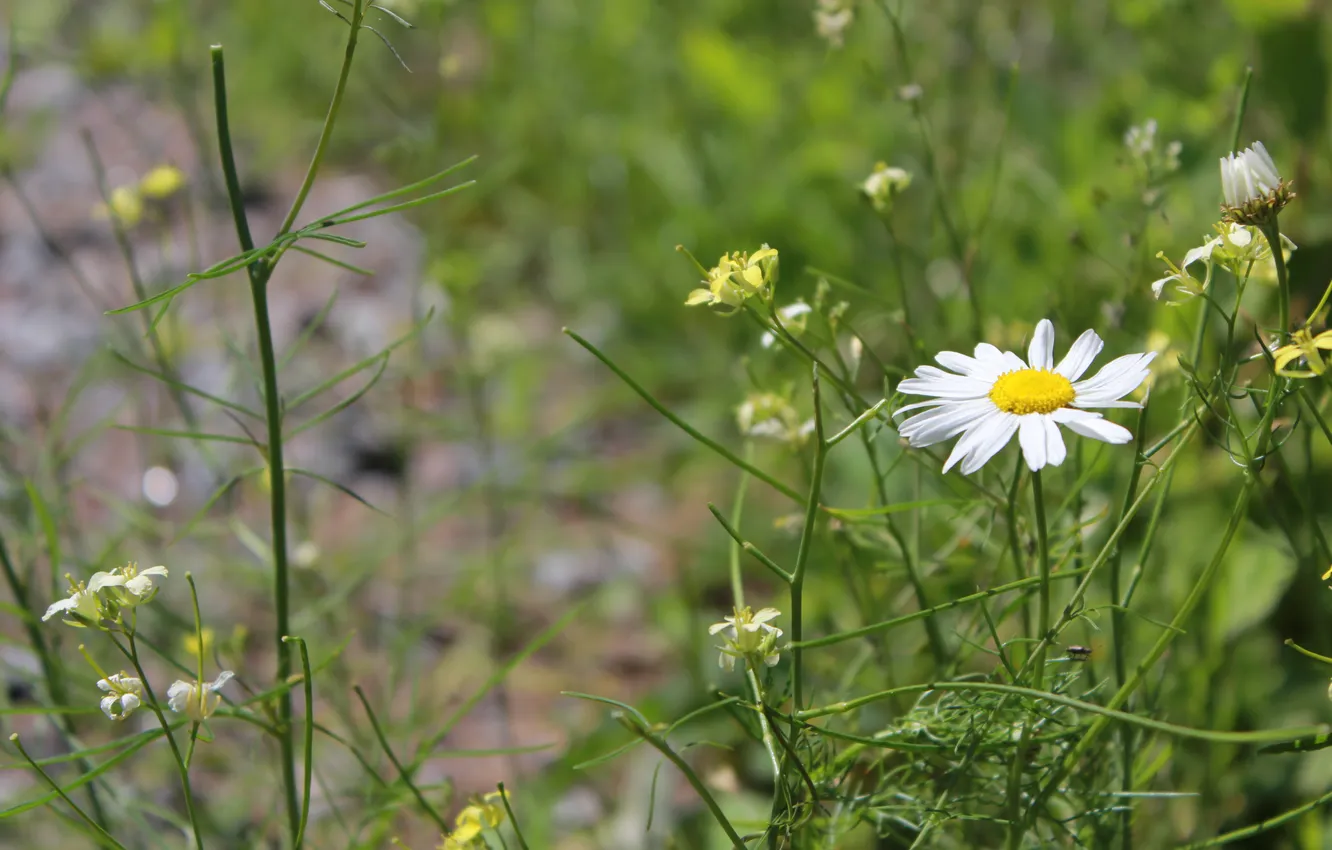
(154, 571)
(717, 627)
(1054, 442)
(1202, 252)
(1263, 166)
(959, 363)
(1093, 425)
(942, 423)
(56, 607)
(934, 402)
(103, 579)
(763, 615)
(108, 706)
(953, 386)
(975, 437)
(222, 679)
(989, 354)
(1117, 378)
(1040, 354)
(1031, 436)
(128, 703)
(1080, 355)
(996, 437)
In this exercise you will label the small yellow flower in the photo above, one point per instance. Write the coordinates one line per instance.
(736, 278)
(162, 182)
(472, 821)
(1304, 346)
(125, 204)
(191, 643)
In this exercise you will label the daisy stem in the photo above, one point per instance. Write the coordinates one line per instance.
(1272, 232)
(1017, 825)
(1043, 596)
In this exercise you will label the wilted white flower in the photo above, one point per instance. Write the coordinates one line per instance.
(748, 634)
(1252, 186)
(124, 694)
(831, 18)
(793, 317)
(884, 184)
(995, 395)
(198, 700)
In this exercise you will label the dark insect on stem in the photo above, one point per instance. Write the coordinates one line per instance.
(1079, 653)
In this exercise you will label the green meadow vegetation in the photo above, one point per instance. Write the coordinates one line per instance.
(614, 424)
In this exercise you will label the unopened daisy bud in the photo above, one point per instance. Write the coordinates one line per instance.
(884, 184)
(197, 700)
(748, 635)
(1252, 187)
(124, 694)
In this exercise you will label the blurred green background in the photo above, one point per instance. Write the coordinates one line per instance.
(611, 131)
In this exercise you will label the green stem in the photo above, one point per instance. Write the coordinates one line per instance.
(699, 787)
(1104, 713)
(133, 655)
(259, 273)
(737, 581)
(1043, 606)
(330, 119)
(402, 772)
(1017, 827)
(105, 836)
(1272, 232)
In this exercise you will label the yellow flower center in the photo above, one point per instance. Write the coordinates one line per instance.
(1032, 391)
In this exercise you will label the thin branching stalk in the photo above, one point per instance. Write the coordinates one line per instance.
(259, 273)
(103, 836)
(182, 766)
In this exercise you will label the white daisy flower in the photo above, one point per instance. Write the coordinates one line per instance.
(992, 396)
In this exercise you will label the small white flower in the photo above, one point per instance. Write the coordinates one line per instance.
(124, 695)
(831, 18)
(1235, 247)
(995, 394)
(197, 700)
(83, 599)
(140, 584)
(748, 633)
(793, 318)
(1249, 175)
(884, 184)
